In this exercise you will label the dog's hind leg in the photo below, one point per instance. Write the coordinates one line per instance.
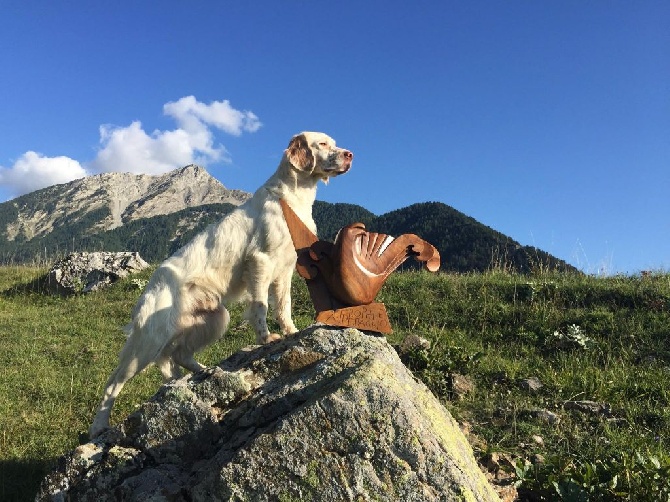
(130, 364)
(199, 329)
(169, 369)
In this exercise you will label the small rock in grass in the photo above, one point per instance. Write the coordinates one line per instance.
(461, 385)
(590, 407)
(546, 416)
(495, 461)
(532, 384)
(537, 459)
(414, 342)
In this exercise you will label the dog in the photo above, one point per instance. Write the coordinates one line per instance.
(248, 256)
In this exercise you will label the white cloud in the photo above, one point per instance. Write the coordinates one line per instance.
(132, 149)
(191, 115)
(33, 171)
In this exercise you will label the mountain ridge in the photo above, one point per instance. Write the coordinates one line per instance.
(155, 215)
(127, 197)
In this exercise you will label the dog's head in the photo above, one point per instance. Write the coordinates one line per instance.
(315, 153)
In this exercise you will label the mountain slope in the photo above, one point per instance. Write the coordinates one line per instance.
(155, 215)
(110, 200)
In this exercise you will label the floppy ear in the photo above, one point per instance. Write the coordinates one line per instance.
(300, 154)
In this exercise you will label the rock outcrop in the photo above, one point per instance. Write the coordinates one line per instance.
(85, 272)
(326, 414)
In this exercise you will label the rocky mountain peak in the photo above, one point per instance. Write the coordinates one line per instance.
(185, 187)
(117, 197)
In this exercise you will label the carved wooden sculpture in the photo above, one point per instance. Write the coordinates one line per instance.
(344, 277)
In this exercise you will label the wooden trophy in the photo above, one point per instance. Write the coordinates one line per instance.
(344, 277)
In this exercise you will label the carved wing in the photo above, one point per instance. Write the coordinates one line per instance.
(355, 267)
(363, 260)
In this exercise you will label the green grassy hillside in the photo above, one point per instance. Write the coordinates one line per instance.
(605, 340)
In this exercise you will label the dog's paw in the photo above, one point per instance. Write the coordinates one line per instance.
(107, 435)
(272, 337)
(95, 431)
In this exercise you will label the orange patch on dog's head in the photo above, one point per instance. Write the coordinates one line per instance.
(300, 154)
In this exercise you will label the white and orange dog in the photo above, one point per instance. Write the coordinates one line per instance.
(248, 256)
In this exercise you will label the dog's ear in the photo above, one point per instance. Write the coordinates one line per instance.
(300, 154)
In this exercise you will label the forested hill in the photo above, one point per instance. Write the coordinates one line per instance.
(464, 243)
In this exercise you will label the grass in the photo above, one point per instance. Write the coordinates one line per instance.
(600, 339)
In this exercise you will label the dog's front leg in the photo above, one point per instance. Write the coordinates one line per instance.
(260, 277)
(257, 316)
(280, 290)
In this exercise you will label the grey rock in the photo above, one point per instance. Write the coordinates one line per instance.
(532, 384)
(85, 272)
(414, 342)
(326, 414)
(589, 407)
(538, 440)
(537, 459)
(546, 416)
(461, 385)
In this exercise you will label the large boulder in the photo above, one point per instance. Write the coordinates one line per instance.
(326, 414)
(84, 272)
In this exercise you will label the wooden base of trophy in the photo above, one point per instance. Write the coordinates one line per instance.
(371, 317)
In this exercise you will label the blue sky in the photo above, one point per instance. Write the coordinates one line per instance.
(547, 121)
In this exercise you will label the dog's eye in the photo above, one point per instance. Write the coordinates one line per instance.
(323, 143)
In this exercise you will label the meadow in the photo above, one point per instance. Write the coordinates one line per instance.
(583, 339)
